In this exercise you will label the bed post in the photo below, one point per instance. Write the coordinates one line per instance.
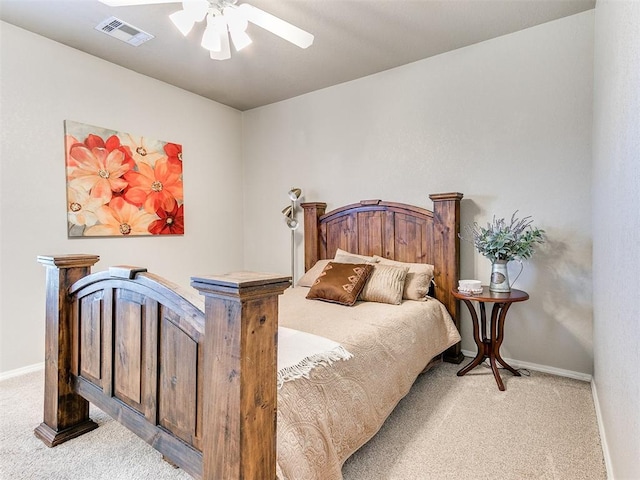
(240, 369)
(312, 212)
(446, 215)
(66, 414)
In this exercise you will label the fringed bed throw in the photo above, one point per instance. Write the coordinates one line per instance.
(300, 352)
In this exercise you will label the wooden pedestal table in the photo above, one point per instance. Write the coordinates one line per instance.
(490, 347)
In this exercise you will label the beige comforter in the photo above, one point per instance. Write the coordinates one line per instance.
(324, 419)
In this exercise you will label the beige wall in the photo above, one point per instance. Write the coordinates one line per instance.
(616, 233)
(44, 83)
(507, 122)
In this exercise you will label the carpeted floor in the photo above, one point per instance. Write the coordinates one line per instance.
(448, 427)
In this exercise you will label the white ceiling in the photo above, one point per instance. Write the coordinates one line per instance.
(353, 38)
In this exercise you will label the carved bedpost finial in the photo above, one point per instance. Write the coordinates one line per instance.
(66, 414)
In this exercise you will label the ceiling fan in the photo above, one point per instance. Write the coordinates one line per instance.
(225, 18)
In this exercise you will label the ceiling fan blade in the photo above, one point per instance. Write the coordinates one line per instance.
(225, 50)
(183, 21)
(237, 24)
(128, 3)
(277, 26)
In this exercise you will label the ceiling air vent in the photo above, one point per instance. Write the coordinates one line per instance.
(123, 31)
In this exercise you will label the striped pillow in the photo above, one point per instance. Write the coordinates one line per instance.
(385, 285)
(418, 279)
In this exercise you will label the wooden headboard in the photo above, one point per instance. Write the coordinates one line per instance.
(397, 231)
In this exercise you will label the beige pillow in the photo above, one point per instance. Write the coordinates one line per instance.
(340, 282)
(342, 256)
(314, 272)
(419, 277)
(385, 285)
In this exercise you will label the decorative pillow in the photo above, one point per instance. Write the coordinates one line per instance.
(385, 285)
(419, 277)
(340, 282)
(314, 272)
(342, 256)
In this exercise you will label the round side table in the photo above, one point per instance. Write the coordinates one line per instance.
(490, 347)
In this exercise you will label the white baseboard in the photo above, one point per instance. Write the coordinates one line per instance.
(585, 377)
(467, 353)
(21, 371)
(603, 436)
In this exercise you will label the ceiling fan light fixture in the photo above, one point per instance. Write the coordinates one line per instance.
(231, 20)
(183, 21)
(211, 38)
(197, 9)
(219, 25)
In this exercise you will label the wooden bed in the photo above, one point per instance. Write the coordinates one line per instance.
(134, 344)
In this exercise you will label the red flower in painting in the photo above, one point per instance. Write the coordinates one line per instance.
(95, 141)
(170, 223)
(113, 143)
(174, 156)
(155, 188)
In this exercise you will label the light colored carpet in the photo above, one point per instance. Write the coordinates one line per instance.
(541, 427)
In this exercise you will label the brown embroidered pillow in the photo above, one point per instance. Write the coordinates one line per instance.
(340, 282)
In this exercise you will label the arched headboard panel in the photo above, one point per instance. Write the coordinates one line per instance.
(397, 231)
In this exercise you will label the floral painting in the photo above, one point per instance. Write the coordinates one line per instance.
(120, 184)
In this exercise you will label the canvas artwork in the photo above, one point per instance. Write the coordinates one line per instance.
(120, 184)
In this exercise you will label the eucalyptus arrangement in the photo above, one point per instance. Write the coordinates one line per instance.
(503, 241)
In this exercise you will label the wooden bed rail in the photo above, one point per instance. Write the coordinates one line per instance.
(106, 335)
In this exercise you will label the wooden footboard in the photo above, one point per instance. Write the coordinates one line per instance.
(125, 341)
